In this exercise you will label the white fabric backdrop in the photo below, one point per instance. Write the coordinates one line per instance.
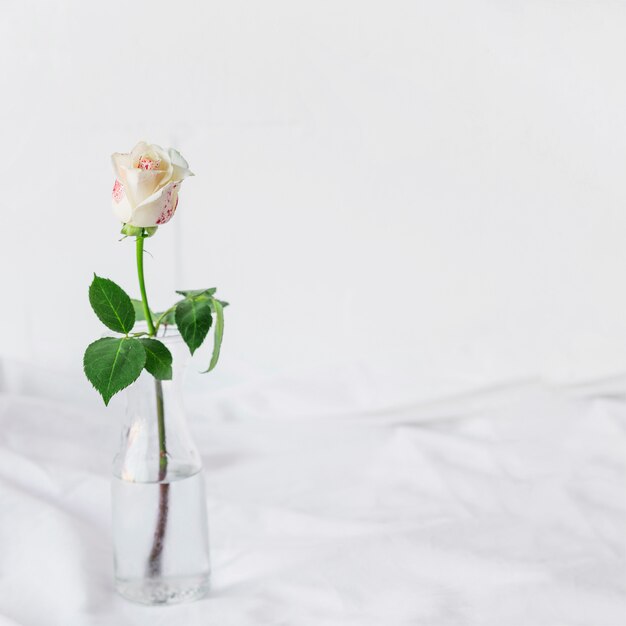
(505, 507)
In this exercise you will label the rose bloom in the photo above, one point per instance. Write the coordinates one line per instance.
(147, 183)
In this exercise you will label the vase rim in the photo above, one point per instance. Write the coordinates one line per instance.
(168, 333)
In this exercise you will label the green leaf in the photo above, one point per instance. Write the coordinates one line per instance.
(158, 359)
(112, 305)
(198, 292)
(218, 332)
(193, 318)
(111, 364)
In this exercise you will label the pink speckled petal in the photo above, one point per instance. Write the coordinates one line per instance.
(120, 204)
(158, 208)
(135, 154)
(118, 191)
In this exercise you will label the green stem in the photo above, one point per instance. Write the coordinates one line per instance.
(158, 387)
(154, 560)
(162, 317)
(142, 286)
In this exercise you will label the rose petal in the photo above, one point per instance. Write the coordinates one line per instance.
(141, 184)
(158, 208)
(118, 191)
(122, 208)
(120, 160)
(140, 148)
(180, 166)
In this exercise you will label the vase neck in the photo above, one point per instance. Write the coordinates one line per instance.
(155, 422)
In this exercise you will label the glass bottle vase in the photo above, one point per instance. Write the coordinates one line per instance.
(160, 533)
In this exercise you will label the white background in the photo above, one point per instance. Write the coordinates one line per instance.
(398, 198)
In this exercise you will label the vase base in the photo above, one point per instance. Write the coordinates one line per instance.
(165, 590)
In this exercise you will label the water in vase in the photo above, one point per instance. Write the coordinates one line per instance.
(160, 540)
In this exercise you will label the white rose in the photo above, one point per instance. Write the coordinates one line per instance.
(147, 182)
